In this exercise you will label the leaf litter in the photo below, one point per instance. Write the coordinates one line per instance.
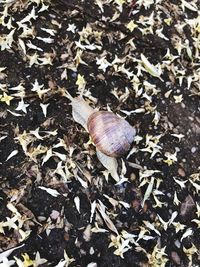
(139, 59)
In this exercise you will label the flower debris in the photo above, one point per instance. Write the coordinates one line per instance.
(59, 205)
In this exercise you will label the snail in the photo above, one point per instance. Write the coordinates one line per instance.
(111, 134)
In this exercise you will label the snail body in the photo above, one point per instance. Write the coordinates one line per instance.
(110, 134)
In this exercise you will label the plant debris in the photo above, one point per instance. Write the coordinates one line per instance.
(61, 203)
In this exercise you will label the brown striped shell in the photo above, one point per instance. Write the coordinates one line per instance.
(110, 134)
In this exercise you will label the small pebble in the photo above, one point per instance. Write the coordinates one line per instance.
(187, 206)
(136, 204)
(91, 251)
(177, 243)
(74, 74)
(87, 233)
(183, 105)
(132, 177)
(41, 218)
(52, 84)
(181, 172)
(193, 149)
(83, 252)
(66, 236)
(92, 264)
(175, 257)
(190, 118)
(54, 214)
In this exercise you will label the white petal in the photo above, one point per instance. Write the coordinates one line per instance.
(12, 154)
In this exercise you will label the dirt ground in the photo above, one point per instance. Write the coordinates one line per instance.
(59, 206)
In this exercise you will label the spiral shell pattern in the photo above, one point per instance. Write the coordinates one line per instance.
(110, 134)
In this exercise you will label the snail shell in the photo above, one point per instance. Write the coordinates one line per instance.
(110, 134)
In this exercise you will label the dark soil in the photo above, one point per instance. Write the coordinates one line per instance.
(24, 176)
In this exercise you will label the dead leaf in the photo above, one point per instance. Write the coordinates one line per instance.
(107, 220)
